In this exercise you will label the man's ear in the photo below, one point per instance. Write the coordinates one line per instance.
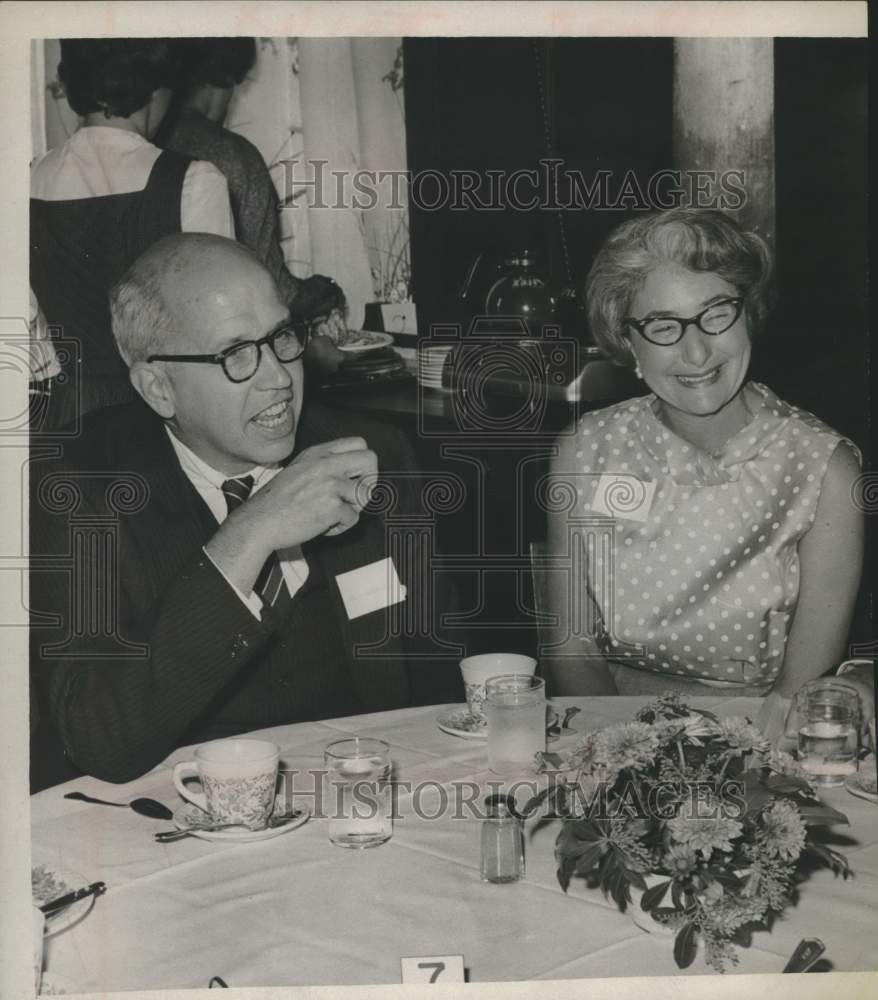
(153, 385)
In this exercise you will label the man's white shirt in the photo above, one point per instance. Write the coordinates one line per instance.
(208, 482)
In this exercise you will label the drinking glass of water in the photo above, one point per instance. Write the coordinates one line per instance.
(829, 718)
(515, 707)
(359, 795)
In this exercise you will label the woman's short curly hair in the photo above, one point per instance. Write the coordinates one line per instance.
(219, 62)
(699, 239)
(116, 75)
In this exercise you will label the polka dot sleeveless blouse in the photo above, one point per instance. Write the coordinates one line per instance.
(701, 579)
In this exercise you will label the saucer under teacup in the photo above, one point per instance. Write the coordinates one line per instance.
(458, 721)
(190, 817)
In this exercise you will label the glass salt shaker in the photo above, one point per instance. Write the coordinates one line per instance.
(502, 841)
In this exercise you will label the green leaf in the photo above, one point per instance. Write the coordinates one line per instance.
(786, 784)
(568, 845)
(677, 895)
(568, 715)
(757, 799)
(582, 829)
(553, 759)
(724, 876)
(618, 887)
(743, 935)
(684, 946)
(838, 863)
(588, 859)
(821, 815)
(652, 897)
(635, 879)
(536, 800)
(565, 873)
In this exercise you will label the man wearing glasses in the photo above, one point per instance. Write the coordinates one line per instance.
(234, 611)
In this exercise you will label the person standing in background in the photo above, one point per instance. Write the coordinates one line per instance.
(194, 126)
(104, 197)
(211, 68)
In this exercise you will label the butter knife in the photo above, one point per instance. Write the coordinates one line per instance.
(95, 889)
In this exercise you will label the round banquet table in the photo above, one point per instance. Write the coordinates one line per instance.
(296, 910)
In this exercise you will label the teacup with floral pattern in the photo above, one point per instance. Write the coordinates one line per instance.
(239, 778)
(477, 669)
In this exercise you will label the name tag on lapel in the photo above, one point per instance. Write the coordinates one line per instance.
(370, 588)
(623, 496)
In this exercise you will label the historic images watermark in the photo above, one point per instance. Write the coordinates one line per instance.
(548, 187)
(432, 800)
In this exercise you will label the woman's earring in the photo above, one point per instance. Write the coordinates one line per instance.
(638, 372)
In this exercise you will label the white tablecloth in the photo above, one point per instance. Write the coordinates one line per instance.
(298, 911)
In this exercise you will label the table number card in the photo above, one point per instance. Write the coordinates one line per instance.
(433, 969)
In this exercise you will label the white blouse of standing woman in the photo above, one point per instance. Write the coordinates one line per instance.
(735, 564)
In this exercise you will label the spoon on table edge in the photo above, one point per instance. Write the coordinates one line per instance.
(145, 807)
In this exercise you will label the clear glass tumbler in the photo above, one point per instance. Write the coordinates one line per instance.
(359, 794)
(827, 736)
(515, 706)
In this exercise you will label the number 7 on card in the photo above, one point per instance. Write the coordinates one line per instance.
(433, 969)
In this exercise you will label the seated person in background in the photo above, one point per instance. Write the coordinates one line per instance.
(322, 303)
(43, 364)
(212, 68)
(244, 512)
(102, 198)
(734, 554)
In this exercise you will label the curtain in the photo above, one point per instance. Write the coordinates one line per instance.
(309, 105)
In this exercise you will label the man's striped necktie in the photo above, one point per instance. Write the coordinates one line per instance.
(270, 582)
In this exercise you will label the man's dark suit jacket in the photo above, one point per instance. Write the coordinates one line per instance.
(200, 665)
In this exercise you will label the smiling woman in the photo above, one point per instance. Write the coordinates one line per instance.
(728, 552)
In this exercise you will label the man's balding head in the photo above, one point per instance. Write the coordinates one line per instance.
(145, 305)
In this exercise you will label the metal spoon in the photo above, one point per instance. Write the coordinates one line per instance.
(146, 807)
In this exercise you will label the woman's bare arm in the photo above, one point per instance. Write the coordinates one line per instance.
(830, 562)
(577, 667)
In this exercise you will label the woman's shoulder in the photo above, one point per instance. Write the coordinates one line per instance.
(805, 428)
(604, 428)
(616, 416)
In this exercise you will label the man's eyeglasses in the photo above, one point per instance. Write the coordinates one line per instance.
(240, 361)
(668, 330)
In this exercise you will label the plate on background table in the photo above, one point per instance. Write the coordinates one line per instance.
(190, 817)
(365, 340)
(48, 883)
(864, 784)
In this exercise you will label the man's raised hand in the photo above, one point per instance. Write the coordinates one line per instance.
(321, 492)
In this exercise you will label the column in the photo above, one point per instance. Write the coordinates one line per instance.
(724, 117)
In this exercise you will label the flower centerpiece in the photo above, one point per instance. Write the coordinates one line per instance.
(698, 816)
